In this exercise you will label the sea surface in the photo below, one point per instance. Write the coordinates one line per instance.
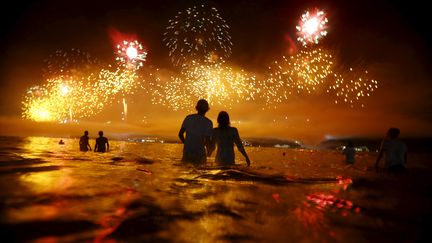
(142, 192)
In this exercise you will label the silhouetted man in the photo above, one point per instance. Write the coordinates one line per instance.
(84, 142)
(101, 141)
(395, 152)
(198, 129)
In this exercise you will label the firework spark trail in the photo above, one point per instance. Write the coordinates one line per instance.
(35, 106)
(120, 82)
(175, 95)
(312, 71)
(73, 91)
(73, 63)
(130, 55)
(352, 87)
(60, 99)
(219, 83)
(199, 41)
(304, 72)
(312, 27)
(65, 99)
(67, 92)
(197, 34)
(216, 82)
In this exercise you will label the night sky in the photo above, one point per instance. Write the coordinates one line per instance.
(391, 40)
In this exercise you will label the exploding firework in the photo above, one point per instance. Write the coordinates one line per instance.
(36, 106)
(131, 55)
(62, 99)
(174, 94)
(198, 34)
(216, 82)
(219, 83)
(352, 87)
(72, 63)
(114, 83)
(72, 91)
(312, 27)
(41, 110)
(304, 72)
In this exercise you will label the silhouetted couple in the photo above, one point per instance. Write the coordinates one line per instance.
(101, 145)
(201, 139)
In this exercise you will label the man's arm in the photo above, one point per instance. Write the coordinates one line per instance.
(239, 144)
(181, 134)
(380, 154)
(209, 144)
(107, 145)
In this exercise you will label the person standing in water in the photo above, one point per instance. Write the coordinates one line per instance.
(84, 142)
(198, 130)
(101, 141)
(225, 136)
(395, 152)
(349, 152)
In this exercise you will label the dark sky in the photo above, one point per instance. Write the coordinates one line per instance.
(381, 34)
(257, 27)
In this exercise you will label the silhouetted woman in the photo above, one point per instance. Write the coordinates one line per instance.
(224, 136)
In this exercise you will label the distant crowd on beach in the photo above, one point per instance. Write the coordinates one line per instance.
(200, 140)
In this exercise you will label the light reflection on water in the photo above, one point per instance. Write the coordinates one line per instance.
(140, 192)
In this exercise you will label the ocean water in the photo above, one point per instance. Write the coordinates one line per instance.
(142, 192)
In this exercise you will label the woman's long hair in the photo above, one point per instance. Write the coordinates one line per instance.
(223, 119)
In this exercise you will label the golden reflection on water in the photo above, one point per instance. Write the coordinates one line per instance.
(35, 212)
(57, 181)
(138, 183)
(37, 147)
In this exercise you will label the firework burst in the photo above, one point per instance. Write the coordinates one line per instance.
(197, 34)
(216, 82)
(131, 55)
(304, 72)
(71, 63)
(312, 27)
(35, 105)
(113, 84)
(60, 99)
